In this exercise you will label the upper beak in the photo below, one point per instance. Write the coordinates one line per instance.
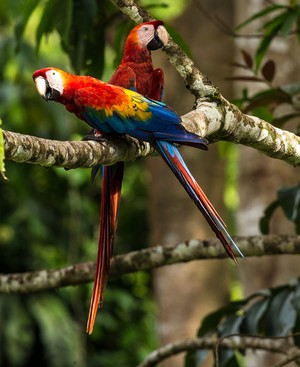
(159, 40)
(41, 86)
(44, 89)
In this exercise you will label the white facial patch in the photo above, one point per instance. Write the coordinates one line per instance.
(55, 81)
(145, 34)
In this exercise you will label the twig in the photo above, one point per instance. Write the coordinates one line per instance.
(231, 342)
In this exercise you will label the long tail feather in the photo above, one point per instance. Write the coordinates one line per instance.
(110, 198)
(174, 160)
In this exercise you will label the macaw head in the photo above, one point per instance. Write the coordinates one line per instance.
(49, 83)
(150, 35)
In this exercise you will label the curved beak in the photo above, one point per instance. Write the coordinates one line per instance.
(159, 40)
(44, 89)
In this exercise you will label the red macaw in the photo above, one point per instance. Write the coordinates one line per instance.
(115, 110)
(135, 72)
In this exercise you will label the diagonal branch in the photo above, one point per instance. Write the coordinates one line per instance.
(147, 259)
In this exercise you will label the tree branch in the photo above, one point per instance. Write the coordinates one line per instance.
(147, 259)
(208, 120)
(72, 154)
(230, 342)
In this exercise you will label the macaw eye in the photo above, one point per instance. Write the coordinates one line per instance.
(146, 29)
(53, 73)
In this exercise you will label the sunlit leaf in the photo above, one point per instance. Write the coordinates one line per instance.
(48, 21)
(27, 8)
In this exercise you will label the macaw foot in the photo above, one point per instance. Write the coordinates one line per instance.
(94, 135)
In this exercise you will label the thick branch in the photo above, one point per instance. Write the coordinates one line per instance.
(71, 154)
(209, 120)
(147, 259)
(234, 342)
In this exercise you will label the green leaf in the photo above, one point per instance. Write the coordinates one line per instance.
(59, 334)
(289, 200)
(261, 14)
(290, 21)
(253, 317)
(27, 8)
(264, 98)
(281, 314)
(230, 326)
(268, 70)
(48, 21)
(2, 154)
(211, 321)
(264, 222)
(271, 29)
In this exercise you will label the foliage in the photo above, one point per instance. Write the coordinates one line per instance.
(288, 199)
(284, 20)
(265, 102)
(252, 316)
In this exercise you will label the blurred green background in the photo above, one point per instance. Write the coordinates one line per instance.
(50, 217)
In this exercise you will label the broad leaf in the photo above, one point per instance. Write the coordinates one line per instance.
(281, 314)
(253, 316)
(268, 70)
(247, 58)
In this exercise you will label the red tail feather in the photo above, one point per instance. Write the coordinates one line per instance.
(110, 198)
